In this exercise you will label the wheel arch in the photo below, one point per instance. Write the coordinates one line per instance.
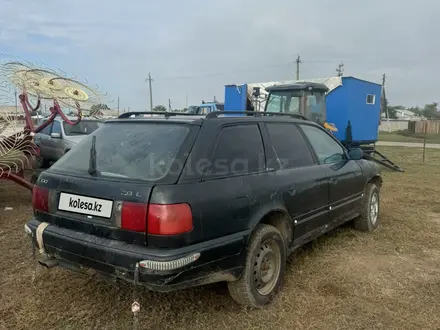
(277, 216)
(376, 179)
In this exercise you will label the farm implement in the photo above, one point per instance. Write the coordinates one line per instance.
(38, 87)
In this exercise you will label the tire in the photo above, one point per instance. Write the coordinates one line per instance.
(266, 248)
(41, 162)
(369, 218)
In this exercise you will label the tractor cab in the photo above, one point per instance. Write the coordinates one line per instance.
(304, 98)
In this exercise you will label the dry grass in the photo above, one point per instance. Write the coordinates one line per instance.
(389, 279)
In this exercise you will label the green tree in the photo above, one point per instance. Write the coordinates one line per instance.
(431, 111)
(392, 111)
(97, 107)
(416, 110)
(159, 108)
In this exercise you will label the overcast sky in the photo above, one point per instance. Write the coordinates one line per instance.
(194, 47)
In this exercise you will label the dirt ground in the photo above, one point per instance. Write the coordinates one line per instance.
(389, 279)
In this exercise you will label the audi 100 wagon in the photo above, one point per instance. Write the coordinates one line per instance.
(175, 201)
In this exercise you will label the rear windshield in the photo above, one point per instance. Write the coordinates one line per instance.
(84, 127)
(144, 151)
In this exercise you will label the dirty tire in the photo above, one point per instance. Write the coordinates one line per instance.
(266, 243)
(41, 162)
(367, 221)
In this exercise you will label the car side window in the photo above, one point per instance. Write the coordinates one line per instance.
(238, 151)
(290, 146)
(326, 148)
(56, 127)
(47, 129)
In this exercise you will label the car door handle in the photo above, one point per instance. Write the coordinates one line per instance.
(333, 180)
(292, 190)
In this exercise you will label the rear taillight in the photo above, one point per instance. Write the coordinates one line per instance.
(40, 199)
(169, 219)
(133, 216)
(156, 219)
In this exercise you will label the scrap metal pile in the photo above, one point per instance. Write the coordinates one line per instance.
(36, 87)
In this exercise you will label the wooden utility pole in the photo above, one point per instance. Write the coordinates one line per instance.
(340, 70)
(298, 61)
(118, 106)
(149, 79)
(384, 101)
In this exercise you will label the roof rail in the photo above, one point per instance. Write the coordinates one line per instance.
(215, 114)
(166, 114)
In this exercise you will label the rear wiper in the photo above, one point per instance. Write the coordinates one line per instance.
(92, 160)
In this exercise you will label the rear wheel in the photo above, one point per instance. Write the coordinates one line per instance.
(369, 218)
(263, 273)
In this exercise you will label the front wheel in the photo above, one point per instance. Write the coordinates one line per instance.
(263, 273)
(41, 162)
(369, 218)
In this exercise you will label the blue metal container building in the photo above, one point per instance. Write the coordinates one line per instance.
(236, 97)
(357, 101)
(349, 99)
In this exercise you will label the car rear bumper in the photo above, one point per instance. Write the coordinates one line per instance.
(220, 259)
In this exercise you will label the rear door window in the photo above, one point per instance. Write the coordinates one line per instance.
(143, 151)
(290, 146)
(238, 151)
(56, 127)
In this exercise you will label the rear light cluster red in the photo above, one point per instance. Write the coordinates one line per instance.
(157, 219)
(40, 199)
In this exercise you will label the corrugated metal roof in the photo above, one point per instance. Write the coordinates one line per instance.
(331, 83)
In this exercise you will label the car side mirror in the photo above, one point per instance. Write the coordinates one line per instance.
(355, 153)
(55, 135)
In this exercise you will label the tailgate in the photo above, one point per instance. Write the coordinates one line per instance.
(93, 206)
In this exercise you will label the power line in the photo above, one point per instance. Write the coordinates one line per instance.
(215, 74)
(150, 80)
(284, 64)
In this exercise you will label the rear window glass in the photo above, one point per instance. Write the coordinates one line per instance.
(84, 127)
(144, 151)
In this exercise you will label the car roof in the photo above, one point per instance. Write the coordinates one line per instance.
(233, 116)
(73, 118)
(196, 119)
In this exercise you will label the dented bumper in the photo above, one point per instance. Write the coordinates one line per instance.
(163, 270)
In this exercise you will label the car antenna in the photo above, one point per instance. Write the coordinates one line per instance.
(92, 160)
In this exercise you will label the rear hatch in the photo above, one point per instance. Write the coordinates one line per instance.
(103, 185)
